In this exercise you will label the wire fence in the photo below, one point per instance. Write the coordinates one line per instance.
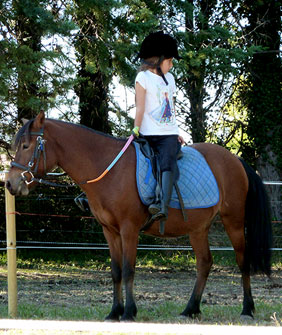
(217, 237)
(67, 236)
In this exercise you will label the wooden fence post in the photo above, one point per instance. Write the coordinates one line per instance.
(11, 253)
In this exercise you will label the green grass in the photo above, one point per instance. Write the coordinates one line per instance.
(49, 312)
(78, 262)
(160, 313)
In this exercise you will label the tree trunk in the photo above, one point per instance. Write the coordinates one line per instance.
(93, 102)
(269, 172)
(94, 71)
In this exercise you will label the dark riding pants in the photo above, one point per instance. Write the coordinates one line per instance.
(167, 147)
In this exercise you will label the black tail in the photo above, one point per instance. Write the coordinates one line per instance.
(258, 227)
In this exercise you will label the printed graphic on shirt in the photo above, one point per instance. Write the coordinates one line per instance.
(164, 114)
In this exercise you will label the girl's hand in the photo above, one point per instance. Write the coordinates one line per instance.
(181, 140)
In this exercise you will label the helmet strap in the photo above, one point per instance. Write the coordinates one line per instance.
(160, 72)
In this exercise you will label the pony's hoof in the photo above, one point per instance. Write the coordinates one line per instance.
(112, 317)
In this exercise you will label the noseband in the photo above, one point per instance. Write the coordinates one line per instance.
(33, 164)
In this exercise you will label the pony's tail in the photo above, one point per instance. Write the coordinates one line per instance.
(258, 226)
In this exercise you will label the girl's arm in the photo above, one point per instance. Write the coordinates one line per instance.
(140, 94)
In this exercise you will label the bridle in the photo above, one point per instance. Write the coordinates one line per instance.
(32, 167)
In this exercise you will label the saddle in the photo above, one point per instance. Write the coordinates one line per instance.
(153, 159)
(196, 186)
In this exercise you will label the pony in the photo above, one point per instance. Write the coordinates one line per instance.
(44, 144)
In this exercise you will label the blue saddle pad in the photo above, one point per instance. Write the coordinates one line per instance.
(197, 183)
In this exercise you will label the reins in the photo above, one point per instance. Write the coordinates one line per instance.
(40, 150)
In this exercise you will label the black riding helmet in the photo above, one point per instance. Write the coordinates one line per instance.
(159, 44)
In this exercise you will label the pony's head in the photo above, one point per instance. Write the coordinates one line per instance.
(31, 156)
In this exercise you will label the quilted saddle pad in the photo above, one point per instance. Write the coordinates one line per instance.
(197, 183)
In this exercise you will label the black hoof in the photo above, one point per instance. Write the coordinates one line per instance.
(192, 314)
(115, 314)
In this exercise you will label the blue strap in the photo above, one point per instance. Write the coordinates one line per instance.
(149, 171)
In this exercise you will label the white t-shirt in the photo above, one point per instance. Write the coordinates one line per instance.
(159, 116)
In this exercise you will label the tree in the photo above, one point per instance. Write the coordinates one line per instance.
(33, 71)
(262, 92)
(94, 58)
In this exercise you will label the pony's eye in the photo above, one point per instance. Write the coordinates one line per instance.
(25, 146)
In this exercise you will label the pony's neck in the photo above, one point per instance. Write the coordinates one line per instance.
(82, 153)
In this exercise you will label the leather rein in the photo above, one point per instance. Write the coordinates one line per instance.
(40, 151)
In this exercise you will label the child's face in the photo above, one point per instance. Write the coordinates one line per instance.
(166, 65)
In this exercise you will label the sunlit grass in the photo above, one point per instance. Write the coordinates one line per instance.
(70, 265)
(168, 312)
(72, 260)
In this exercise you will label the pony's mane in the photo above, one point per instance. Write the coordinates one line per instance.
(25, 131)
(89, 129)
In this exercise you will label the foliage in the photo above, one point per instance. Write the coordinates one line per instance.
(214, 41)
(34, 70)
(229, 130)
(262, 88)
(212, 59)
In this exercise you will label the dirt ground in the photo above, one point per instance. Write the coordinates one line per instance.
(152, 287)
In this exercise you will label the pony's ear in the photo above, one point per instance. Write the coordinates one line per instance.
(39, 120)
(24, 121)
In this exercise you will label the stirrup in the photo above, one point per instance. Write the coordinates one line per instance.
(160, 215)
(154, 208)
(82, 202)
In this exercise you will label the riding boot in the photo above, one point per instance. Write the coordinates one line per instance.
(156, 206)
(167, 185)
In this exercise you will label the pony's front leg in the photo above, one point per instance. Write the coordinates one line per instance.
(129, 245)
(114, 241)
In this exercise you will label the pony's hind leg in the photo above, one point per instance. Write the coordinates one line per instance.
(235, 230)
(114, 241)
(199, 242)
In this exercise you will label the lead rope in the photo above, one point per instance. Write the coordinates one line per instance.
(113, 162)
